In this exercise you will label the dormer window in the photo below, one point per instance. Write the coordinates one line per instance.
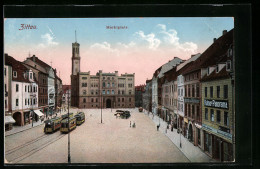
(228, 65)
(217, 69)
(208, 71)
(230, 52)
(31, 75)
(14, 74)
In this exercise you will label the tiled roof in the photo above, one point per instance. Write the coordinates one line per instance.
(222, 74)
(65, 88)
(213, 53)
(18, 67)
(40, 62)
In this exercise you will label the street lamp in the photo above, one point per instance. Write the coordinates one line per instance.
(69, 131)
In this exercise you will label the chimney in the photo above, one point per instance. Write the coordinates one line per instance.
(34, 58)
(214, 39)
(224, 32)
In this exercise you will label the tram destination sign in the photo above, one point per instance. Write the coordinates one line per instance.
(223, 104)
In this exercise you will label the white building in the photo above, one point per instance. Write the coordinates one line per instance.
(24, 93)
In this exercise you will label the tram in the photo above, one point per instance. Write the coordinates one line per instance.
(80, 118)
(52, 125)
(64, 116)
(65, 128)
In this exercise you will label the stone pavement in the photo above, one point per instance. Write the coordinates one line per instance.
(193, 153)
(17, 129)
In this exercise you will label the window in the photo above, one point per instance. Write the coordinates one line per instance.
(84, 92)
(84, 85)
(211, 91)
(130, 91)
(36, 88)
(206, 113)
(212, 114)
(218, 91)
(181, 92)
(14, 74)
(112, 92)
(17, 87)
(5, 87)
(96, 91)
(92, 100)
(228, 65)
(123, 92)
(123, 99)
(104, 84)
(84, 100)
(5, 71)
(130, 85)
(92, 92)
(198, 135)
(218, 116)
(192, 111)
(17, 102)
(129, 99)
(118, 91)
(217, 69)
(108, 91)
(113, 84)
(207, 142)
(25, 101)
(226, 121)
(103, 92)
(118, 99)
(193, 91)
(84, 78)
(34, 101)
(28, 101)
(198, 90)
(96, 99)
(225, 91)
(30, 75)
(108, 84)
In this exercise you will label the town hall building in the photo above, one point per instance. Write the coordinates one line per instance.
(106, 90)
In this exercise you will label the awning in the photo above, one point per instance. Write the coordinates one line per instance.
(38, 112)
(9, 120)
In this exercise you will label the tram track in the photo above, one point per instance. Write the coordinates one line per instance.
(19, 153)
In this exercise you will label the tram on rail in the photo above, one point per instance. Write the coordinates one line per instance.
(80, 118)
(52, 125)
(64, 116)
(68, 124)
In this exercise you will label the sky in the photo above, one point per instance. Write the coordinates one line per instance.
(127, 45)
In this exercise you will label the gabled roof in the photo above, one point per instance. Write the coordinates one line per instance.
(222, 74)
(40, 62)
(213, 53)
(18, 67)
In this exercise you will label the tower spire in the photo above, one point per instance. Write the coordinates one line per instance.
(75, 36)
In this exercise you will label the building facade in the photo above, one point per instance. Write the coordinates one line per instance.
(24, 97)
(139, 92)
(106, 90)
(147, 96)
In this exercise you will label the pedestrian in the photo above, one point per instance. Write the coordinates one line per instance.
(130, 123)
(157, 127)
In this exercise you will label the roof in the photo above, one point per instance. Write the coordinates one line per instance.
(18, 67)
(65, 88)
(222, 74)
(213, 53)
(140, 88)
(169, 65)
(40, 62)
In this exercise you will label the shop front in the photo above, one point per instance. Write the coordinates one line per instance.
(218, 144)
(9, 121)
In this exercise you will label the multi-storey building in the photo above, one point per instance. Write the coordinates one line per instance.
(66, 94)
(192, 77)
(139, 91)
(106, 90)
(58, 92)
(7, 97)
(46, 77)
(181, 90)
(147, 96)
(168, 92)
(217, 106)
(24, 97)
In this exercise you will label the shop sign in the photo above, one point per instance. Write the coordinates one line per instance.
(191, 100)
(216, 103)
(219, 132)
(186, 120)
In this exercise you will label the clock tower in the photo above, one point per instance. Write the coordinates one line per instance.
(75, 59)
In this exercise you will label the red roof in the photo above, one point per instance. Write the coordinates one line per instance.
(18, 67)
(140, 88)
(213, 53)
(223, 74)
(65, 88)
(40, 62)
